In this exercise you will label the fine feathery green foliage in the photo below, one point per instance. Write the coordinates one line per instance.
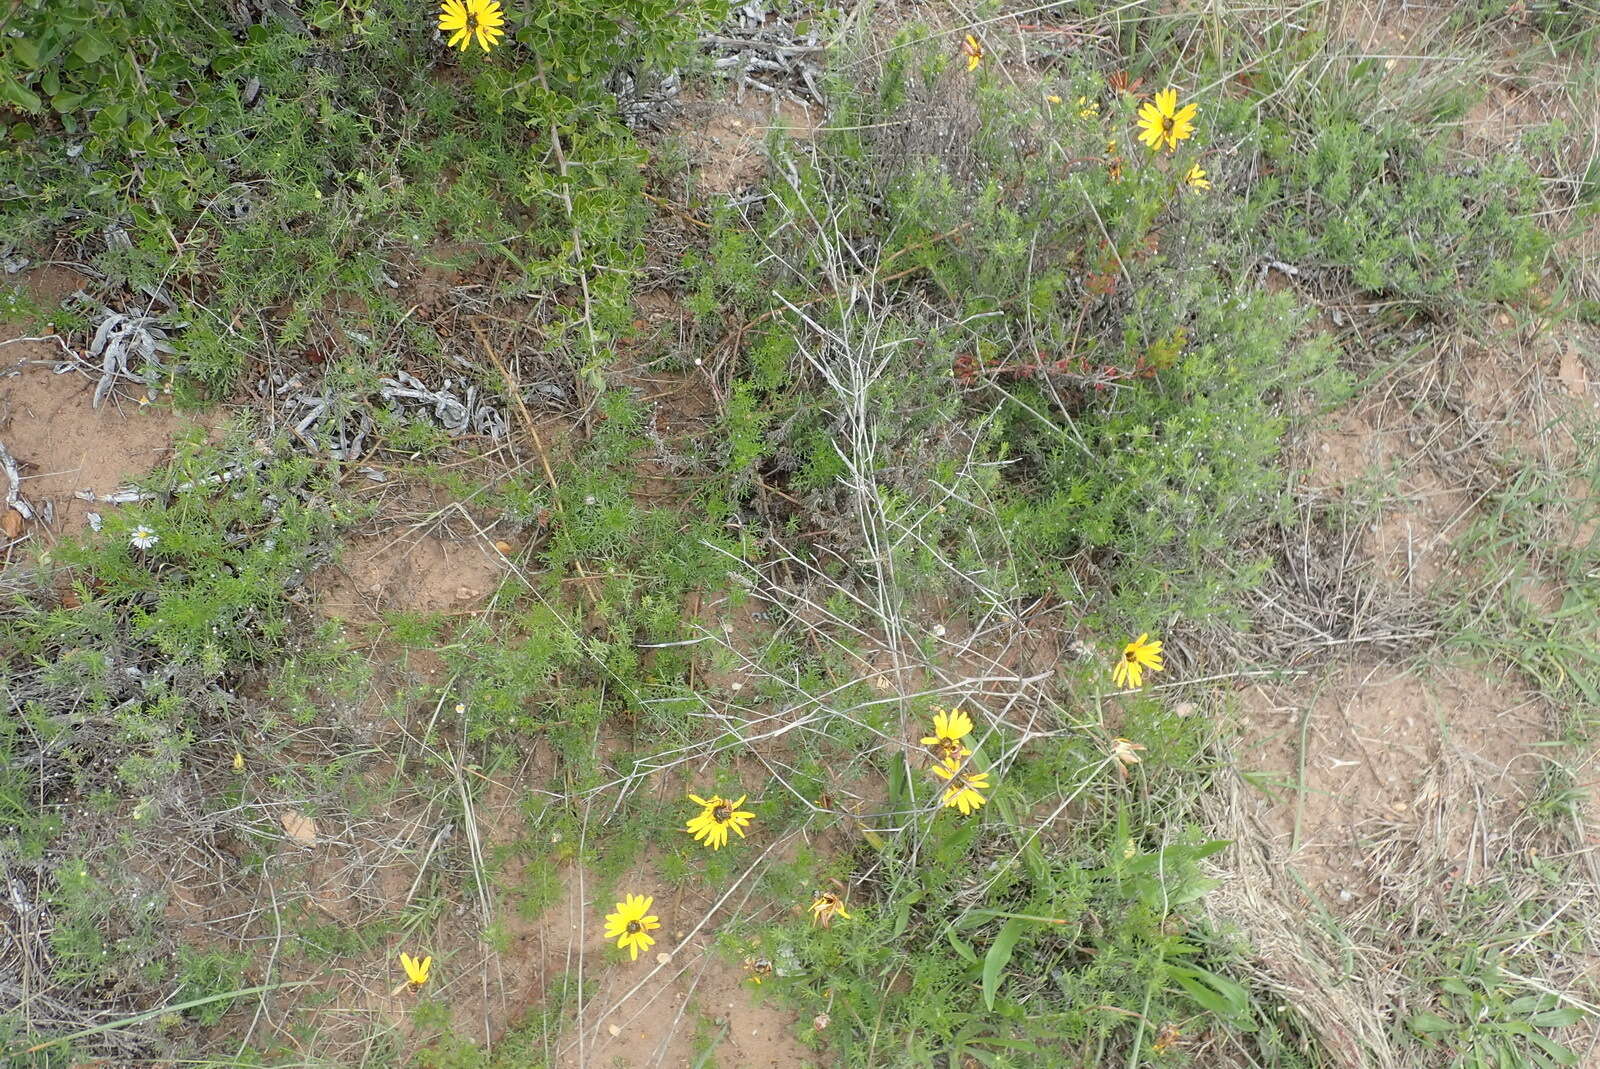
(968, 357)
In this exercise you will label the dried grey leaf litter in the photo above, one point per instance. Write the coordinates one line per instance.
(759, 48)
(128, 494)
(120, 339)
(762, 38)
(456, 415)
(338, 424)
(13, 498)
(645, 103)
(333, 425)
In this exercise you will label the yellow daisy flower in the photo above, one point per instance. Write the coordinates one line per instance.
(416, 971)
(1087, 109)
(1137, 655)
(1162, 122)
(717, 815)
(961, 790)
(1196, 178)
(826, 907)
(974, 52)
(465, 20)
(949, 728)
(630, 923)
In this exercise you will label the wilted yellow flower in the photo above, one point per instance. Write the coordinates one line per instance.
(630, 923)
(1137, 655)
(416, 971)
(758, 968)
(238, 761)
(717, 815)
(1053, 99)
(826, 907)
(961, 788)
(1196, 178)
(465, 20)
(1162, 122)
(1087, 109)
(974, 52)
(1126, 751)
(1166, 1037)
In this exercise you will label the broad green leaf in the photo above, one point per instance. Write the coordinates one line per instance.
(1218, 994)
(999, 956)
(902, 917)
(1557, 1018)
(963, 947)
(1429, 1023)
(1190, 891)
(1558, 1053)
(13, 92)
(92, 47)
(26, 51)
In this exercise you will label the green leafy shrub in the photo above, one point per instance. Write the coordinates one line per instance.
(260, 171)
(1387, 203)
(114, 699)
(1060, 337)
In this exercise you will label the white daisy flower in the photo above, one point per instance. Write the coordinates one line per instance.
(143, 537)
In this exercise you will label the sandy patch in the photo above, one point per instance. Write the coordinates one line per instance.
(1378, 763)
(63, 445)
(402, 571)
(728, 141)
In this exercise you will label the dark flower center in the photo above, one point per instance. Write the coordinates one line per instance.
(634, 927)
(1131, 655)
(722, 814)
